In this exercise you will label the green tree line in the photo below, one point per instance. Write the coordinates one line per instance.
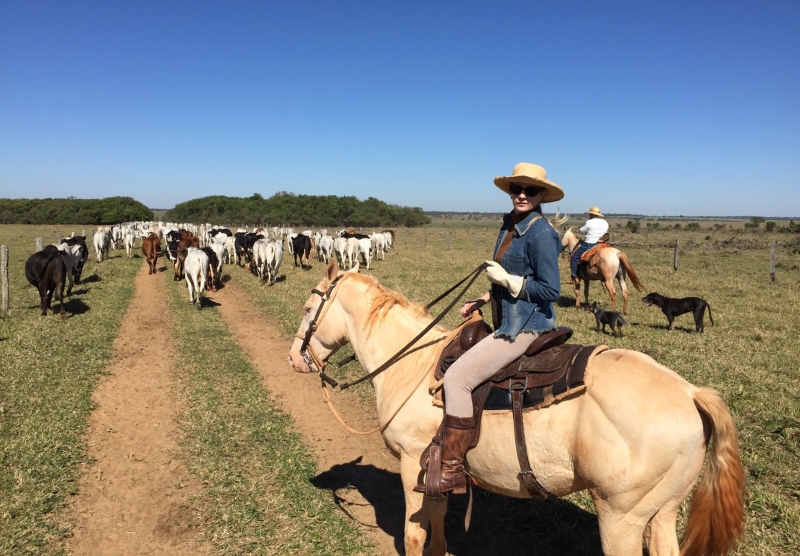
(296, 210)
(111, 210)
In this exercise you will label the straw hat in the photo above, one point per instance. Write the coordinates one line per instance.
(595, 211)
(531, 174)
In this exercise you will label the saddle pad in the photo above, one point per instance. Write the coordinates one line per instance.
(587, 254)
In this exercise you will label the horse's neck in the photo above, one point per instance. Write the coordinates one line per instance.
(374, 347)
(572, 242)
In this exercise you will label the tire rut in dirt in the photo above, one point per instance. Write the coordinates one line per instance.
(134, 496)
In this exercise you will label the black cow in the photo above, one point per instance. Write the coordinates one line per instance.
(355, 235)
(47, 272)
(301, 247)
(244, 248)
(223, 231)
(214, 279)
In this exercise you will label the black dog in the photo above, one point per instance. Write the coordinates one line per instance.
(673, 307)
(612, 318)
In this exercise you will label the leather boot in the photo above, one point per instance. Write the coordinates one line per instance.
(456, 437)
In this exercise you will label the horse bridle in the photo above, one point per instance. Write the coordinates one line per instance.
(310, 357)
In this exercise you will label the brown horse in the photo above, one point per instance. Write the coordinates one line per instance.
(605, 265)
(636, 438)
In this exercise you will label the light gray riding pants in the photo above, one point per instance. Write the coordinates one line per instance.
(477, 366)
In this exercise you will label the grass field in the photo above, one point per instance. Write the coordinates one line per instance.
(49, 370)
(750, 355)
(235, 440)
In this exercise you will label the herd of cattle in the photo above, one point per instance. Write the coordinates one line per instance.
(198, 253)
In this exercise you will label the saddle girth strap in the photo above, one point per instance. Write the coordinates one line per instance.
(537, 491)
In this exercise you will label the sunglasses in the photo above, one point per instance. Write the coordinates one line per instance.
(530, 190)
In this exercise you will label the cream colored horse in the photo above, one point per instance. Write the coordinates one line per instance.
(636, 438)
(608, 264)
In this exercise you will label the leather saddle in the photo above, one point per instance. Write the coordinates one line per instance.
(549, 370)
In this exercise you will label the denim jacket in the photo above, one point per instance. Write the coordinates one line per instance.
(533, 254)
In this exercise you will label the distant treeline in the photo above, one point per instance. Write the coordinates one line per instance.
(296, 210)
(110, 210)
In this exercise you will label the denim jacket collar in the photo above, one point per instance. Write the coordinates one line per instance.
(525, 224)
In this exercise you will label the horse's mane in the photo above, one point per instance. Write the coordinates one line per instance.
(382, 300)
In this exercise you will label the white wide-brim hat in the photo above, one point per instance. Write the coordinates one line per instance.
(595, 211)
(531, 174)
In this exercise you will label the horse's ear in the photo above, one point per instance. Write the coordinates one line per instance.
(331, 271)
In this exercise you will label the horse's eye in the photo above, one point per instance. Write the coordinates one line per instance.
(306, 310)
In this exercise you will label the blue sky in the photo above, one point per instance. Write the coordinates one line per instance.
(671, 108)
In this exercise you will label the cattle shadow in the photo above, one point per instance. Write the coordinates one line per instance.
(91, 279)
(75, 307)
(500, 525)
(208, 302)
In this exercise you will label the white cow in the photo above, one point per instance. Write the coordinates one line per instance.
(325, 248)
(351, 252)
(339, 250)
(260, 256)
(128, 238)
(272, 265)
(388, 239)
(365, 250)
(196, 269)
(116, 236)
(100, 242)
(378, 246)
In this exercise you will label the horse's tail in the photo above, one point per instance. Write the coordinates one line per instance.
(716, 516)
(626, 264)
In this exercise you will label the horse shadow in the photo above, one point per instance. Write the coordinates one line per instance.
(500, 525)
(566, 302)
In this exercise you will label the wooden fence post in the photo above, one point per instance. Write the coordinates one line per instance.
(4, 275)
(476, 241)
(425, 239)
(675, 258)
(772, 262)
(447, 237)
(39, 244)
(405, 237)
(58, 239)
(83, 233)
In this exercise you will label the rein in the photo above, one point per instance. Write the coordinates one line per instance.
(310, 357)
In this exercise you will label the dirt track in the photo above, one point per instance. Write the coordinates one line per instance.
(134, 497)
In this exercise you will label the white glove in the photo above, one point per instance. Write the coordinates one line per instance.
(498, 275)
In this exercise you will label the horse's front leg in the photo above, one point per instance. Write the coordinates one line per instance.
(420, 512)
(585, 292)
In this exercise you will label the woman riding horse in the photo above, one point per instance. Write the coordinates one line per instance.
(525, 283)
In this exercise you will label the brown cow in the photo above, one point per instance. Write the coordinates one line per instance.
(183, 245)
(151, 247)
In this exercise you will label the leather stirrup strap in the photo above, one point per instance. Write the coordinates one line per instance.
(536, 490)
